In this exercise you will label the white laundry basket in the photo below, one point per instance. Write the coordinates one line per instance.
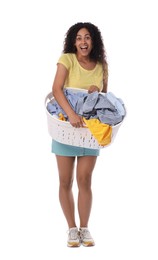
(64, 132)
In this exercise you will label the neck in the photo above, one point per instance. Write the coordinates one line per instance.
(84, 59)
(85, 62)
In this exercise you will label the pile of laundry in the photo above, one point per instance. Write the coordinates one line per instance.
(105, 107)
(100, 112)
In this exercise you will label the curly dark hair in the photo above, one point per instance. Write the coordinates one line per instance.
(98, 50)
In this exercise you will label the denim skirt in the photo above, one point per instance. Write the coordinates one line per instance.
(69, 150)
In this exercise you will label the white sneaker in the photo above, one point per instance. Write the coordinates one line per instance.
(86, 238)
(73, 237)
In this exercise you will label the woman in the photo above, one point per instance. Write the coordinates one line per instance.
(82, 65)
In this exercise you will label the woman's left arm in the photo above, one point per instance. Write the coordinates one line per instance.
(105, 78)
(105, 86)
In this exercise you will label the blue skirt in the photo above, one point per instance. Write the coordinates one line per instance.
(69, 150)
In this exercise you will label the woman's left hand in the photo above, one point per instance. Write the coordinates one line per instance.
(92, 89)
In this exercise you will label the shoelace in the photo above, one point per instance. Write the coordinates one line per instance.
(73, 234)
(85, 234)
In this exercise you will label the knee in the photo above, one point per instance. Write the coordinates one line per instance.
(84, 182)
(66, 184)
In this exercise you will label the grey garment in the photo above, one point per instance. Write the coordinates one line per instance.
(104, 103)
(93, 101)
(86, 106)
(90, 102)
(103, 106)
(117, 102)
(73, 97)
(109, 117)
(106, 111)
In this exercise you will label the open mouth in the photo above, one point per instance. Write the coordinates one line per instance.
(84, 47)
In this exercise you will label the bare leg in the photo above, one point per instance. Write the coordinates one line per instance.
(85, 166)
(66, 176)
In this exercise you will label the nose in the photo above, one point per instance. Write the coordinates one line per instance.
(83, 40)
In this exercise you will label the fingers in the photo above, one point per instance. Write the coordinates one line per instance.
(76, 121)
(78, 124)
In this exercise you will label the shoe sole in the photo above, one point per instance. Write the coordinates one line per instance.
(88, 244)
(73, 245)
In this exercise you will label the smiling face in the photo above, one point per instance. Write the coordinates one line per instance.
(83, 42)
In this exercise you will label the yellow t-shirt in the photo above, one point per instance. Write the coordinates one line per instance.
(78, 76)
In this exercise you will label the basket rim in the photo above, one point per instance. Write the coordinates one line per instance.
(50, 97)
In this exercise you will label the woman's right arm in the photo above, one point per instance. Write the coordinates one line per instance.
(57, 91)
(105, 78)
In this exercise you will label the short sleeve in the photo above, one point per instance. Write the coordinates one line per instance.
(65, 59)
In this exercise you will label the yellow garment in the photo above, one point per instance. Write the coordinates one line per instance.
(61, 117)
(102, 132)
(78, 76)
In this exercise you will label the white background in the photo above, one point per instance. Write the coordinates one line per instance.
(124, 214)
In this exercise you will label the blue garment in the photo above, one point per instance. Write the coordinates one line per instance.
(103, 106)
(117, 102)
(72, 98)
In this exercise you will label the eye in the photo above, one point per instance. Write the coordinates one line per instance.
(78, 38)
(87, 37)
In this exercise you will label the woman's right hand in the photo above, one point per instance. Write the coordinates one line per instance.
(75, 120)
